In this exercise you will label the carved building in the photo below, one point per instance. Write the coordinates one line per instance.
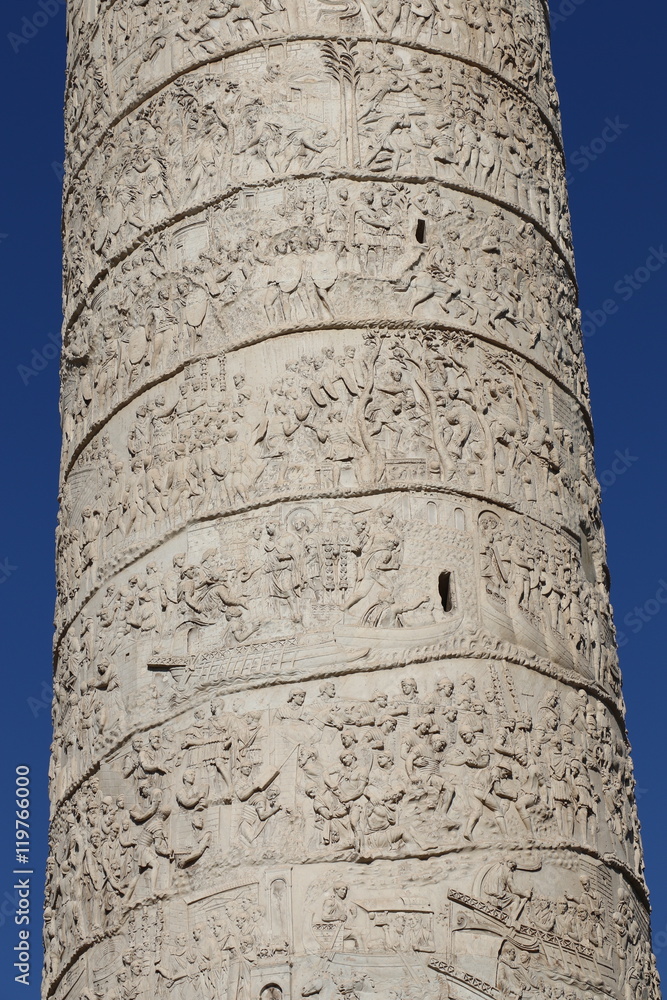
(338, 709)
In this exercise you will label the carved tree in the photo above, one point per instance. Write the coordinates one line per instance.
(339, 58)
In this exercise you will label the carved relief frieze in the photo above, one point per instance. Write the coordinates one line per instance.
(134, 47)
(455, 756)
(399, 114)
(338, 711)
(289, 592)
(318, 252)
(389, 407)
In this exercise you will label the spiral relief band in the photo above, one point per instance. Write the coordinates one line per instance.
(338, 709)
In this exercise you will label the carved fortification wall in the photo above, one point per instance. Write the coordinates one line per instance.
(338, 710)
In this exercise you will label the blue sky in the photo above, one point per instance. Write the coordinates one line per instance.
(609, 67)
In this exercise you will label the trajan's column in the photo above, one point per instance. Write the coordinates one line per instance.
(338, 710)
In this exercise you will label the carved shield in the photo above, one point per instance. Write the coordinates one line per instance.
(288, 273)
(86, 389)
(137, 345)
(195, 307)
(101, 234)
(116, 217)
(324, 269)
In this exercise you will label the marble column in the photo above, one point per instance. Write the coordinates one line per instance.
(338, 709)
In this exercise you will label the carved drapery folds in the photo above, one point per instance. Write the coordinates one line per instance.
(338, 709)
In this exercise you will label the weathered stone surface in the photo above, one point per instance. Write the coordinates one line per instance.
(338, 707)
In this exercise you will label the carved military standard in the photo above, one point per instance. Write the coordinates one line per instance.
(338, 709)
